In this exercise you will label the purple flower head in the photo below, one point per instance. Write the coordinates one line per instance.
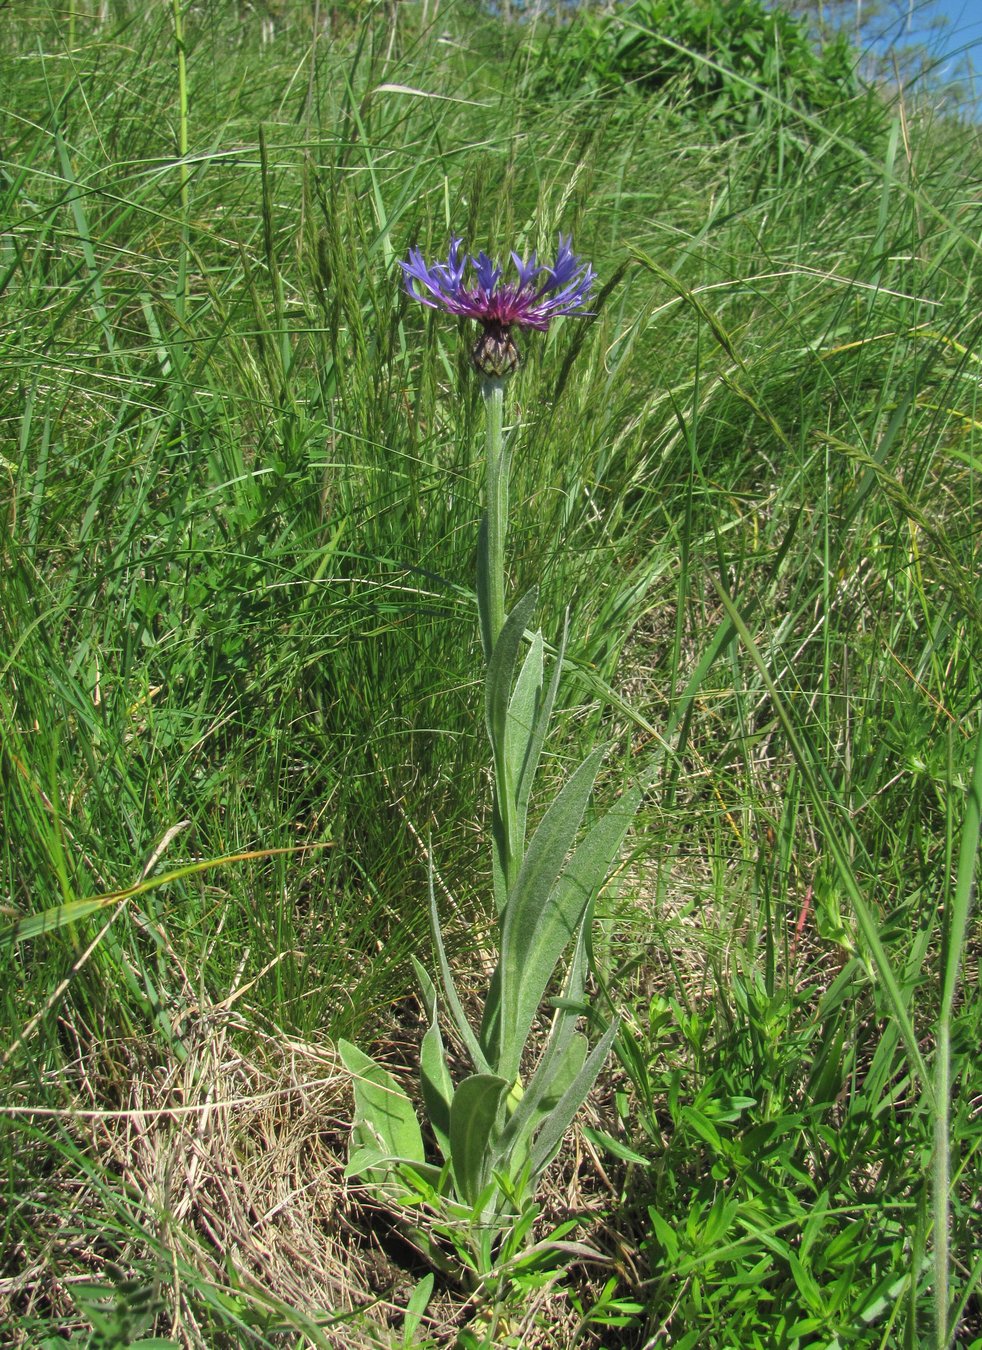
(538, 295)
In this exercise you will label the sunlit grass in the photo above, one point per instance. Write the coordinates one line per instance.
(237, 616)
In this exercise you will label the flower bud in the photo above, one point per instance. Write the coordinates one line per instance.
(495, 354)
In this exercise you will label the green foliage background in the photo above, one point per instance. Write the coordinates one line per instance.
(236, 604)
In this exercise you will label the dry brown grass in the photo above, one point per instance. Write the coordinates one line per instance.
(231, 1165)
(220, 1172)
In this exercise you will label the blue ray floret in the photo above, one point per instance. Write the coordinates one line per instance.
(539, 294)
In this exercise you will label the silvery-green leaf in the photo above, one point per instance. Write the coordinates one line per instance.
(539, 929)
(555, 1077)
(522, 717)
(366, 1161)
(501, 670)
(491, 1021)
(536, 740)
(559, 1061)
(560, 1117)
(383, 1106)
(507, 853)
(544, 913)
(434, 1075)
(529, 931)
(474, 1124)
(450, 989)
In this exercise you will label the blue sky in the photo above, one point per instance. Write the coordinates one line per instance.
(961, 36)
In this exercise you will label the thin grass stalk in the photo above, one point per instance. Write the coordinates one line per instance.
(954, 946)
(184, 173)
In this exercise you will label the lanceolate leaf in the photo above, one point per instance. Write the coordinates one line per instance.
(520, 726)
(541, 928)
(533, 749)
(560, 1117)
(541, 1099)
(382, 1107)
(501, 669)
(392, 1178)
(561, 1035)
(450, 989)
(491, 1021)
(508, 844)
(522, 709)
(434, 1076)
(564, 1071)
(474, 1118)
(522, 947)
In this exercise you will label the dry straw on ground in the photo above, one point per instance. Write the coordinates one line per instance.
(208, 1176)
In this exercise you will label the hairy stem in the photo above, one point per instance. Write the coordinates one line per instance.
(496, 516)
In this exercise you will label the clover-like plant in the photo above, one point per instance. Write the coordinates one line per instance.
(499, 1127)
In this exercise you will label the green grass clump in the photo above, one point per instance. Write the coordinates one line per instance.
(240, 674)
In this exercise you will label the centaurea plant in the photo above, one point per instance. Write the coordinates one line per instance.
(497, 1131)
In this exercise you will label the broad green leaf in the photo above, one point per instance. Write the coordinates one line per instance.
(382, 1106)
(541, 926)
(434, 1075)
(560, 1117)
(474, 1119)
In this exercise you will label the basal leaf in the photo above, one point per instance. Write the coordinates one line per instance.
(474, 1124)
(383, 1106)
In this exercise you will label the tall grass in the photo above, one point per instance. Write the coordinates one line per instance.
(238, 618)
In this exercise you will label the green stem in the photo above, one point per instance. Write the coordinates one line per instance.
(491, 566)
(491, 609)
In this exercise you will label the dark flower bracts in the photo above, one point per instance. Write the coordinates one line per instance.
(536, 295)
